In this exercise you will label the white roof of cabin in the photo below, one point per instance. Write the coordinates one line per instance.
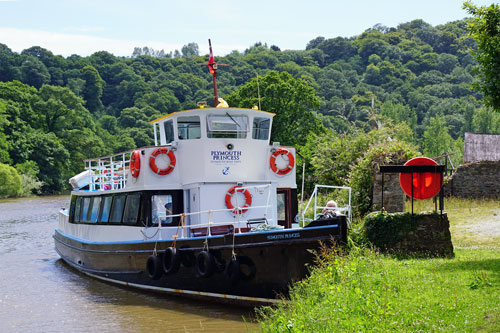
(205, 111)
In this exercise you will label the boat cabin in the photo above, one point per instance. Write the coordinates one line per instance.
(211, 170)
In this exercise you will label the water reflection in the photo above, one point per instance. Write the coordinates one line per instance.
(39, 293)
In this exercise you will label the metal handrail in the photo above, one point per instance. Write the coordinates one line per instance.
(316, 207)
(235, 223)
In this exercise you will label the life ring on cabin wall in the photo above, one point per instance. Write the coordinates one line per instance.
(135, 163)
(288, 168)
(248, 199)
(152, 161)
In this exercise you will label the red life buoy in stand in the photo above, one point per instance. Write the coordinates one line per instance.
(288, 168)
(152, 161)
(135, 163)
(243, 208)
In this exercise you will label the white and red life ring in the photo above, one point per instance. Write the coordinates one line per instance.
(243, 208)
(135, 163)
(152, 161)
(287, 169)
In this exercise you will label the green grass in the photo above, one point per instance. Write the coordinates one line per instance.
(365, 291)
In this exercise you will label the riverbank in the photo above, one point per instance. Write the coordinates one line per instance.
(366, 291)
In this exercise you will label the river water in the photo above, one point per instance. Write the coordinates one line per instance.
(39, 293)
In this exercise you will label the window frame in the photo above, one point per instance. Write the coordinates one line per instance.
(227, 134)
(170, 124)
(127, 205)
(115, 202)
(180, 122)
(257, 130)
(101, 211)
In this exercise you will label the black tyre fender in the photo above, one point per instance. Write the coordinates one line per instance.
(171, 260)
(154, 267)
(205, 264)
(233, 271)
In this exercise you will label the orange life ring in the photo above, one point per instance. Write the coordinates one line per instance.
(152, 161)
(135, 163)
(288, 168)
(248, 199)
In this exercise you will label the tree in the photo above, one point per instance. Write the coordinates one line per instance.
(34, 72)
(5, 145)
(10, 182)
(62, 110)
(190, 50)
(437, 140)
(291, 99)
(92, 90)
(485, 29)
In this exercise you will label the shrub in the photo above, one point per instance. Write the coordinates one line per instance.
(362, 173)
(10, 182)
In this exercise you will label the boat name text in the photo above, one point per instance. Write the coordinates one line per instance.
(283, 236)
(220, 155)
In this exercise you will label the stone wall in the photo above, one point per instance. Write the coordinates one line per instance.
(402, 233)
(394, 197)
(475, 180)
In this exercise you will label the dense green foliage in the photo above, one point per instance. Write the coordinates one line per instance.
(10, 181)
(56, 111)
(485, 29)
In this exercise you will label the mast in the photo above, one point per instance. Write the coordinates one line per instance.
(212, 67)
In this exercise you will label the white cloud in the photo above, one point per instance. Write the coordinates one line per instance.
(66, 44)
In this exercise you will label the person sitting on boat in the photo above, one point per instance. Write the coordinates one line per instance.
(330, 210)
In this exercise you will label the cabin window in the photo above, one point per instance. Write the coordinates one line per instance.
(261, 128)
(77, 209)
(227, 126)
(169, 131)
(94, 212)
(132, 209)
(189, 127)
(161, 207)
(117, 209)
(85, 209)
(106, 207)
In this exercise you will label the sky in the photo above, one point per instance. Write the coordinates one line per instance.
(83, 27)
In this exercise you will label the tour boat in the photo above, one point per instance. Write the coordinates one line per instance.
(208, 211)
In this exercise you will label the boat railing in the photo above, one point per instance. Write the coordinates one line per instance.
(314, 197)
(238, 223)
(108, 172)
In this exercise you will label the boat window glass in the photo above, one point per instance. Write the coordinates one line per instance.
(189, 127)
(117, 208)
(77, 209)
(96, 204)
(169, 131)
(132, 208)
(261, 128)
(85, 209)
(106, 207)
(161, 207)
(281, 207)
(227, 126)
